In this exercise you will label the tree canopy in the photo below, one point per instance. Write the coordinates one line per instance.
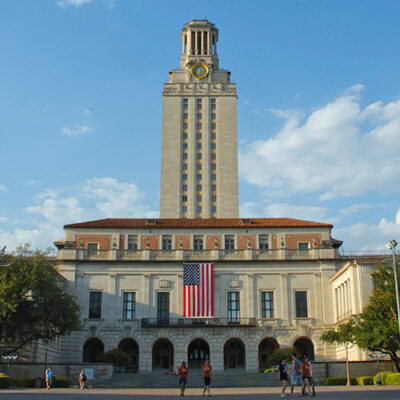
(34, 301)
(376, 328)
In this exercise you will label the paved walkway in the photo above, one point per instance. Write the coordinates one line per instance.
(326, 392)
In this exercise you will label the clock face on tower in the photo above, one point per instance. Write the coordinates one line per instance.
(199, 70)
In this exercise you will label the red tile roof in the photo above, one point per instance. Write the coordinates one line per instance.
(192, 223)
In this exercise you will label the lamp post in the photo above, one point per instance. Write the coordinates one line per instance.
(392, 246)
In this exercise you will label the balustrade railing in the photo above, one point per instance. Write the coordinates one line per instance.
(197, 322)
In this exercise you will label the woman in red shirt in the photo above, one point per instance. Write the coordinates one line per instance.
(207, 368)
(306, 375)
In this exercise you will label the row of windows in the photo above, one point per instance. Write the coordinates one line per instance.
(197, 239)
(233, 305)
(199, 104)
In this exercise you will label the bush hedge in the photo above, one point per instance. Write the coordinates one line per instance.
(380, 379)
(393, 379)
(339, 381)
(365, 380)
(4, 382)
(116, 357)
(62, 382)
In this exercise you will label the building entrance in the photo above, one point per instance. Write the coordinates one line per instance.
(265, 349)
(163, 354)
(198, 351)
(234, 354)
(130, 347)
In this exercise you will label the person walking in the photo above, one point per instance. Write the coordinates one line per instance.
(312, 379)
(296, 373)
(283, 376)
(207, 370)
(82, 379)
(305, 373)
(183, 371)
(49, 377)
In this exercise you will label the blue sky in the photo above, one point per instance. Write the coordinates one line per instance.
(318, 111)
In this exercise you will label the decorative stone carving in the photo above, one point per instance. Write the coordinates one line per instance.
(234, 283)
(164, 283)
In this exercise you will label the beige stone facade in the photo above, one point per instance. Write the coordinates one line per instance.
(199, 170)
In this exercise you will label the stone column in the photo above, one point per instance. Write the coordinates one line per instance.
(250, 296)
(112, 291)
(285, 298)
(202, 42)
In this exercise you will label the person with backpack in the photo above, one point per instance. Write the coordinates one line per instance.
(49, 375)
(296, 373)
(82, 379)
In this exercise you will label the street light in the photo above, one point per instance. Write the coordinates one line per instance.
(392, 246)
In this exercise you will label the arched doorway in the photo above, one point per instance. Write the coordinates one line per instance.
(129, 346)
(198, 351)
(265, 349)
(163, 354)
(92, 349)
(234, 354)
(304, 347)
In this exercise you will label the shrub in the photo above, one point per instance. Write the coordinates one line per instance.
(365, 380)
(380, 379)
(4, 382)
(339, 381)
(116, 357)
(62, 382)
(392, 379)
(278, 355)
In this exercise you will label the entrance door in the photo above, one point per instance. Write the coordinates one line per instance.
(163, 354)
(162, 308)
(234, 354)
(198, 351)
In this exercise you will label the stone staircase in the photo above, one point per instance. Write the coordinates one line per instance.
(158, 379)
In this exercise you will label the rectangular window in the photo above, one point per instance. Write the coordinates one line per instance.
(198, 242)
(213, 209)
(129, 305)
(132, 242)
(184, 188)
(213, 177)
(213, 116)
(92, 247)
(184, 177)
(95, 305)
(213, 167)
(199, 188)
(199, 209)
(263, 242)
(233, 306)
(199, 106)
(184, 156)
(198, 146)
(198, 135)
(267, 304)
(184, 209)
(301, 304)
(184, 198)
(198, 126)
(185, 116)
(199, 116)
(303, 246)
(198, 167)
(185, 146)
(214, 188)
(185, 125)
(185, 106)
(213, 199)
(213, 125)
(198, 177)
(185, 135)
(167, 242)
(184, 166)
(213, 135)
(213, 156)
(229, 242)
(163, 308)
(199, 199)
(199, 156)
(213, 146)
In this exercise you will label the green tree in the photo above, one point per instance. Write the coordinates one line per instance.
(34, 301)
(376, 328)
(116, 357)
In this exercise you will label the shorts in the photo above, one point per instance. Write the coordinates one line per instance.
(207, 381)
(182, 381)
(284, 378)
(296, 380)
(308, 378)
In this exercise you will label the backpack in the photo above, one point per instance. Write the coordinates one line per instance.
(84, 377)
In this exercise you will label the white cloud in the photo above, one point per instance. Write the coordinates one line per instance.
(339, 150)
(3, 188)
(96, 198)
(283, 210)
(77, 130)
(355, 208)
(361, 236)
(32, 182)
(72, 3)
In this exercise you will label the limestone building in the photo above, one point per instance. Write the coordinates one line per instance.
(276, 281)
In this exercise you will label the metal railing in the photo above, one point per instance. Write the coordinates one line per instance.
(197, 322)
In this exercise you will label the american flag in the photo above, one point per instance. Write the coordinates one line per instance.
(198, 299)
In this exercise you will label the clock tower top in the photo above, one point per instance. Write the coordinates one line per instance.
(199, 43)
